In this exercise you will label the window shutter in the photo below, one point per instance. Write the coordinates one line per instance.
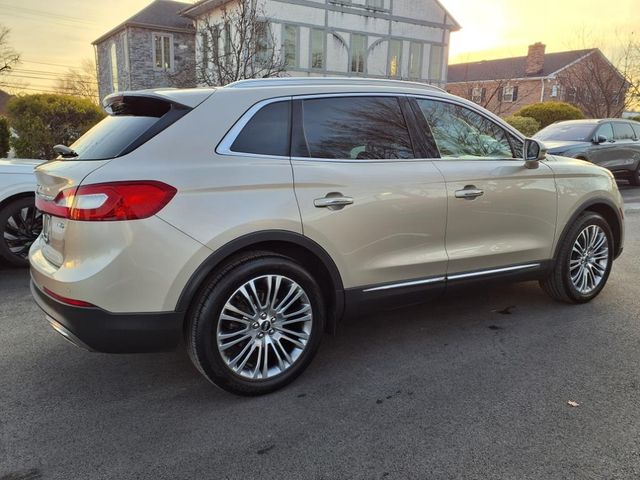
(501, 94)
(470, 93)
(483, 96)
(515, 93)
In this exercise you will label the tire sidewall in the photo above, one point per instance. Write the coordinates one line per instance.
(580, 225)
(206, 318)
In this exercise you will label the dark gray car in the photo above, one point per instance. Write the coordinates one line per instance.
(610, 143)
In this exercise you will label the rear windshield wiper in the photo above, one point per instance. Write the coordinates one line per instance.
(64, 151)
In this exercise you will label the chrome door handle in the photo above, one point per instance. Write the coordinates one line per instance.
(333, 201)
(469, 192)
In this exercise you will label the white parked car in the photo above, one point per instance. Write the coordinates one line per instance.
(20, 222)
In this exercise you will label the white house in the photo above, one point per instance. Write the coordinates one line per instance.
(403, 39)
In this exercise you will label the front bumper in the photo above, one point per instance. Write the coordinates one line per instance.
(101, 331)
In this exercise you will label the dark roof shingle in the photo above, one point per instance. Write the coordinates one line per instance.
(508, 68)
(160, 13)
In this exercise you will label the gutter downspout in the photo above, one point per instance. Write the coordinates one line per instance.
(542, 92)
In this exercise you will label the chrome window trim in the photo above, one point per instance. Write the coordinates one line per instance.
(224, 147)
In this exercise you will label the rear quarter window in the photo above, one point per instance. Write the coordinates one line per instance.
(267, 132)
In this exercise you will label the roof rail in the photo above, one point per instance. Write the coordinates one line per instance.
(291, 81)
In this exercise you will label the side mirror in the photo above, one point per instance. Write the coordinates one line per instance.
(600, 139)
(534, 152)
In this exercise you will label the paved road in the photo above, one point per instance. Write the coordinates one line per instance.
(474, 387)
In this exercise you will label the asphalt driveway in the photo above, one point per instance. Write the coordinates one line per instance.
(472, 387)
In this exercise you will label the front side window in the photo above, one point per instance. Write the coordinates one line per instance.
(290, 45)
(605, 130)
(623, 131)
(462, 133)
(163, 53)
(415, 59)
(268, 132)
(395, 55)
(355, 128)
(358, 49)
(317, 48)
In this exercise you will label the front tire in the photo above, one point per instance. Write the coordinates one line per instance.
(583, 262)
(257, 324)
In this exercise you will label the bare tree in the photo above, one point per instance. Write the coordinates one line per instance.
(80, 82)
(238, 46)
(8, 56)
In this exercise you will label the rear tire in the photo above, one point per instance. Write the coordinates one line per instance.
(583, 262)
(20, 225)
(256, 324)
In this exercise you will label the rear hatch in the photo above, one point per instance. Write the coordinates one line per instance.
(133, 119)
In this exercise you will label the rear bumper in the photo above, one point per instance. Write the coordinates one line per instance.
(101, 331)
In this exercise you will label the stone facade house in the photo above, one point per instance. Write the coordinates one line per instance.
(153, 48)
(403, 39)
(584, 78)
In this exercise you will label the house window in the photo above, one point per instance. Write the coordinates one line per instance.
(162, 52)
(262, 42)
(377, 4)
(358, 48)
(395, 56)
(554, 91)
(478, 94)
(435, 63)
(114, 68)
(415, 59)
(317, 48)
(509, 94)
(290, 45)
(204, 41)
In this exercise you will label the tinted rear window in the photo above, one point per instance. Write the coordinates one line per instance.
(358, 128)
(268, 131)
(131, 123)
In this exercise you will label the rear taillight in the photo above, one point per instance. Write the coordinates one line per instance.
(109, 201)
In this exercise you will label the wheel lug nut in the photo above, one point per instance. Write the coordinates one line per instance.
(272, 331)
(255, 325)
(260, 335)
(263, 315)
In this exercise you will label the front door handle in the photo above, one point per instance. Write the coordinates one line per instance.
(469, 192)
(333, 201)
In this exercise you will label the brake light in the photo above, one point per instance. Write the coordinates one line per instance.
(109, 201)
(68, 301)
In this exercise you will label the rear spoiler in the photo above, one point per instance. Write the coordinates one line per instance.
(185, 98)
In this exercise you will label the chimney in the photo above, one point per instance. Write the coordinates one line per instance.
(535, 59)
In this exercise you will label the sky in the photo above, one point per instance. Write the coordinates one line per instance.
(53, 35)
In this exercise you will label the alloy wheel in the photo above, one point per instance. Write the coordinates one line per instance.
(264, 327)
(21, 229)
(589, 259)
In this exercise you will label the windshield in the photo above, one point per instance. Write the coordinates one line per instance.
(576, 132)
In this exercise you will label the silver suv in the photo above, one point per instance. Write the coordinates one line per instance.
(250, 219)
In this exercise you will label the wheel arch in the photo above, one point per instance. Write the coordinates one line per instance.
(294, 245)
(608, 210)
(16, 196)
